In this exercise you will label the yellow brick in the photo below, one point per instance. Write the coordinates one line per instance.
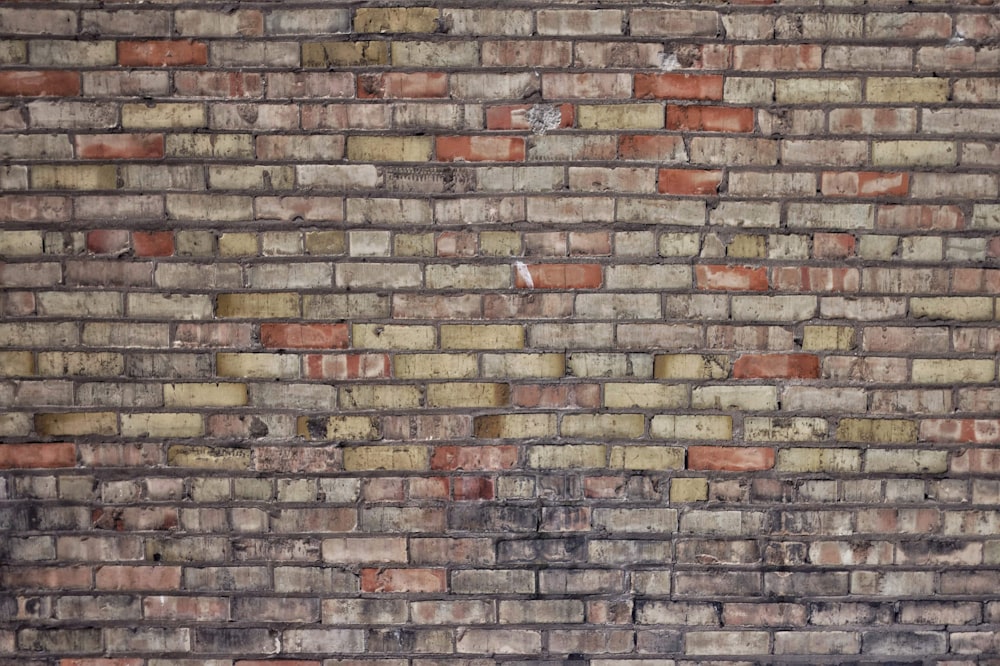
(80, 364)
(817, 91)
(907, 89)
(207, 457)
(645, 396)
(76, 423)
(914, 153)
(952, 371)
(747, 246)
(392, 336)
(959, 308)
(379, 396)
(688, 490)
(905, 461)
(238, 245)
(499, 336)
(257, 365)
(691, 366)
(350, 428)
(876, 430)
(258, 306)
(16, 363)
(344, 54)
(749, 398)
(603, 426)
(397, 458)
(414, 245)
(396, 19)
(162, 425)
(530, 366)
(435, 366)
(73, 177)
(691, 427)
(647, 457)
(205, 395)
(828, 337)
(209, 145)
(567, 456)
(620, 116)
(163, 116)
(468, 394)
(389, 148)
(515, 426)
(326, 242)
(21, 243)
(500, 243)
(803, 429)
(819, 460)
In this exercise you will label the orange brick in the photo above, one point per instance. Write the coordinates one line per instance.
(153, 243)
(865, 183)
(678, 86)
(730, 458)
(304, 336)
(347, 366)
(403, 580)
(776, 366)
(652, 147)
(480, 149)
(709, 118)
(119, 146)
(400, 85)
(732, 278)
(21, 83)
(162, 53)
(516, 116)
(690, 181)
(37, 456)
(561, 276)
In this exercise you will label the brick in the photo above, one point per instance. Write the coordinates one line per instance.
(396, 20)
(41, 83)
(817, 91)
(304, 336)
(76, 423)
(37, 456)
(674, 23)
(389, 149)
(480, 394)
(678, 86)
(774, 366)
(620, 116)
(709, 118)
(479, 149)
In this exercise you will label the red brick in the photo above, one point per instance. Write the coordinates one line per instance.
(816, 278)
(865, 183)
(108, 241)
(561, 276)
(833, 246)
(125, 577)
(974, 431)
(515, 116)
(473, 488)
(678, 86)
(730, 458)
(304, 336)
(119, 146)
(477, 458)
(776, 366)
(480, 149)
(403, 580)
(162, 53)
(228, 85)
(400, 85)
(709, 118)
(732, 278)
(794, 57)
(153, 243)
(914, 218)
(37, 456)
(690, 181)
(60, 577)
(21, 83)
(652, 147)
(347, 366)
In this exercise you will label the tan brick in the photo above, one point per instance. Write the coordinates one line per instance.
(472, 394)
(817, 91)
(45, 177)
(828, 338)
(471, 336)
(691, 366)
(524, 366)
(384, 457)
(645, 396)
(16, 363)
(69, 424)
(620, 116)
(208, 457)
(162, 425)
(689, 489)
(647, 457)
(905, 461)
(914, 153)
(86, 364)
(877, 431)
(261, 366)
(791, 429)
(349, 428)
(567, 456)
(389, 148)
(515, 426)
(748, 398)
(166, 115)
(344, 54)
(603, 426)
(435, 366)
(395, 19)
(903, 90)
(392, 336)
(969, 308)
(258, 306)
(953, 371)
(819, 460)
(379, 396)
(691, 427)
(204, 395)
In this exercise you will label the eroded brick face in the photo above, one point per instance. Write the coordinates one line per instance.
(342, 334)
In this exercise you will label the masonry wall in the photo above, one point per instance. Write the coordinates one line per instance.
(626, 334)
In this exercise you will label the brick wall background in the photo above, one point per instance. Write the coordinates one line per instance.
(545, 333)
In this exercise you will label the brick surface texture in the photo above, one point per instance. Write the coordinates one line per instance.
(544, 332)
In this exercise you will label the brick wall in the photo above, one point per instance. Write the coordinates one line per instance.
(641, 333)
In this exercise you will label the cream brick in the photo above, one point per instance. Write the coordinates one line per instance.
(691, 427)
(647, 457)
(645, 396)
(567, 456)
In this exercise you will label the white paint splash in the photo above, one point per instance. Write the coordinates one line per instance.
(524, 274)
